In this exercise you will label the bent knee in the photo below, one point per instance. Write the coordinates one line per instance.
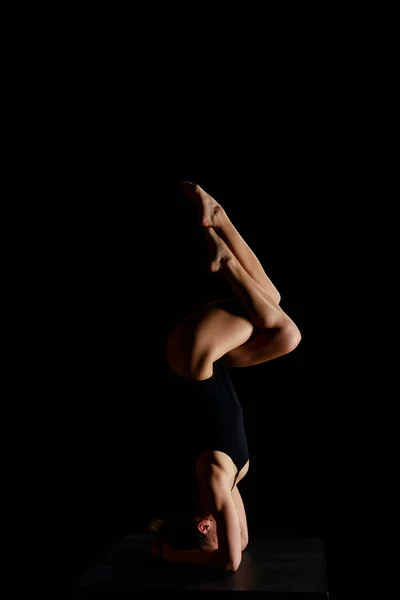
(191, 367)
(187, 358)
(290, 337)
(197, 369)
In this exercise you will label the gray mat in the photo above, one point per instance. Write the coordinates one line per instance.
(270, 565)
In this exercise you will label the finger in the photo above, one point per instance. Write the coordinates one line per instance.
(155, 524)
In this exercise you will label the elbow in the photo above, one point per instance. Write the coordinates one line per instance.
(289, 337)
(233, 565)
(244, 539)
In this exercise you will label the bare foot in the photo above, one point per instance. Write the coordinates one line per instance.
(219, 251)
(211, 213)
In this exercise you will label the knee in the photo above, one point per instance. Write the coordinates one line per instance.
(289, 337)
(188, 360)
(199, 368)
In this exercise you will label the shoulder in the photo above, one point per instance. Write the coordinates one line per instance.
(214, 463)
(214, 472)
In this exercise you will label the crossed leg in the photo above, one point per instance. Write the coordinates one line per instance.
(249, 329)
(212, 214)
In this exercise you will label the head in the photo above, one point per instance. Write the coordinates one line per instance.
(192, 530)
(205, 531)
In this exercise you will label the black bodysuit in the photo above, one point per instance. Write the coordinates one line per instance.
(208, 416)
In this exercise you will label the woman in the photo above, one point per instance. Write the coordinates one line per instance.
(247, 329)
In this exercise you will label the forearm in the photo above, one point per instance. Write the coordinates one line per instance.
(244, 533)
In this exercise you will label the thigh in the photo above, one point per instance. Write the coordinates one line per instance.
(208, 333)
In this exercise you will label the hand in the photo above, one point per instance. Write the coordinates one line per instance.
(155, 526)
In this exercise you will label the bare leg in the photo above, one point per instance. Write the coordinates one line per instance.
(275, 334)
(212, 214)
(215, 331)
(262, 311)
(210, 332)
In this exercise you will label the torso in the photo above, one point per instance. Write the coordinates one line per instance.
(189, 397)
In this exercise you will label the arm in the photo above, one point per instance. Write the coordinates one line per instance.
(228, 528)
(228, 556)
(244, 534)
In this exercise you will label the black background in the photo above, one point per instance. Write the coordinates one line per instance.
(120, 255)
(132, 258)
(277, 117)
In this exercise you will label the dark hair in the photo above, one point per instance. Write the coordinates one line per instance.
(181, 531)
